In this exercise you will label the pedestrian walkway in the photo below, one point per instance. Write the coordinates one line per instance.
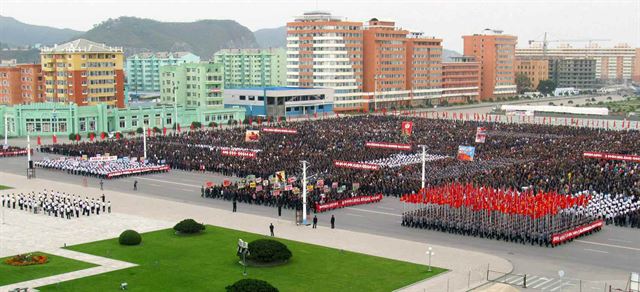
(104, 265)
(552, 284)
(468, 268)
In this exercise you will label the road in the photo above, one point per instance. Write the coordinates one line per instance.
(603, 257)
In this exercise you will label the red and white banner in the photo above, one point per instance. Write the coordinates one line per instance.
(564, 236)
(355, 165)
(103, 158)
(407, 128)
(360, 200)
(481, 134)
(394, 146)
(280, 130)
(138, 170)
(612, 156)
(14, 153)
(238, 153)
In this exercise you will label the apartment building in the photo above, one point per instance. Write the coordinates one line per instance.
(460, 80)
(143, 70)
(192, 85)
(536, 69)
(253, 67)
(21, 84)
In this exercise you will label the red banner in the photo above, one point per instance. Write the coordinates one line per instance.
(355, 165)
(238, 153)
(564, 236)
(280, 130)
(360, 200)
(405, 147)
(14, 153)
(407, 128)
(612, 156)
(138, 170)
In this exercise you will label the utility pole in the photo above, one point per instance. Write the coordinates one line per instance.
(175, 105)
(6, 132)
(304, 192)
(144, 140)
(423, 163)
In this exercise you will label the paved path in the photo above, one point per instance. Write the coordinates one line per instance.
(104, 265)
(468, 267)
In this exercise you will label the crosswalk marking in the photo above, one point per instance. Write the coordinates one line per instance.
(562, 285)
(553, 283)
(541, 284)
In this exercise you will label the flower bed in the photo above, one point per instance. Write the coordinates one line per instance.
(26, 260)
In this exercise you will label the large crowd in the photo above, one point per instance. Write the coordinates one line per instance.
(56, 204)
(538, 157)
(102, 169)
(11, 151)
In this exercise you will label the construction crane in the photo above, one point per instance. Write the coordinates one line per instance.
(545, 42)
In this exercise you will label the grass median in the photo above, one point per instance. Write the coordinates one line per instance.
(55, 266)
(208, 262)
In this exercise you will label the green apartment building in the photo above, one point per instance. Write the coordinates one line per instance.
(253, 67)
(143, 70)
(61, 119)
(192, 85)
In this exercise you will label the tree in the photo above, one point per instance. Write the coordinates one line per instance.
(546, 86)
(523, 83)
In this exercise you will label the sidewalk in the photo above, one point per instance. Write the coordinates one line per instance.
(468, 268)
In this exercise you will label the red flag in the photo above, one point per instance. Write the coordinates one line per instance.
(164, 131)
(39, 141)
(148, 132)
(250, 121)
(102, 135)
(315, 115)
(91, 136)
(279, 119)
(178, 127)
(55, 139)
(192, 126)
(407, 128)
(117, 135)
(77, 137)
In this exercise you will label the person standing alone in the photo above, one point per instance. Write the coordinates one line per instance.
(333, 222)
(271, 228)
(315, 221)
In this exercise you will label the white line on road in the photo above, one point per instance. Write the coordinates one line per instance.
(169, 182)
(377, 212)
(386, 208)
(541, 284)
(354, 215)
(552, 284)
(619, 240)
(155, 185)
(609, 245)
(596, 250)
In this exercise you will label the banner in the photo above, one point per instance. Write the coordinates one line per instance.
(481, 134)
(103, 158)
(252, 136)
(466, 153)
(14, 153)
(280, 176)
(355, 165)
(564, 236)
(280, 130)
(348, 202)
(238, 153)
(611, 156)
(394, 146)
(407, 128)
(138, 170)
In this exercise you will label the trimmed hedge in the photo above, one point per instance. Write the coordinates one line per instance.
(189, 226)
(130, 237)
(266, 251)
(251, 285)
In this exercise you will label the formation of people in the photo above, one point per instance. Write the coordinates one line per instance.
(102, 169)
(57, 204)
(11, 151)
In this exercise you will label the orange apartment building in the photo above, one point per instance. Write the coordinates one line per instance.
(424, 68)
(83, 72)
(496, 53)
(21, 84)
(461, 80)
(327, 51)
(536, 69)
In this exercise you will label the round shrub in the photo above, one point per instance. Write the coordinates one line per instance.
(188, 226)
(266, 251)
(251, 285)
(130, 237)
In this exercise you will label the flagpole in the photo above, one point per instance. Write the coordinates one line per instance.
(6, 126)
(423, 164)
(144, 140)
(304, 192)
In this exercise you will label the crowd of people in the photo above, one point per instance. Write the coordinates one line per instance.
(102, 169)
(12, 151)
(57, 204)
(517, 156)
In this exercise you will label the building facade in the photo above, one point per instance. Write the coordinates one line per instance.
(281, 101)
(143, 70)
(535, 69)
(424, 67)
(616, 64)
(576, 73)
(47, 119)
(21, 83)
(496, 53)
(327, 51)
(192, 85)
(83, 72)
(460, 80)
(253, 67)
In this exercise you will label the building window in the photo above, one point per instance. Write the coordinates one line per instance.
(123, 122)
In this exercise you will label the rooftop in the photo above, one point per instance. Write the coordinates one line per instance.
(81, 45)
(277, 88)
(161, 55)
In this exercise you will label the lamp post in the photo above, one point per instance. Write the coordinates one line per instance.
(429, 254)
(304, 192)
(424, 158)
(6, 132)
(175, 105)
(144, 140)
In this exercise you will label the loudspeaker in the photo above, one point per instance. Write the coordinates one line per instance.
(30, 164)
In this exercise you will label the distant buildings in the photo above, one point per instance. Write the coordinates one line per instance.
(496, 53)
(143, 70)
(253, 67)
(616, 64)
(281, 101)
(461, 80)
(83, 72)
(536, 69)
(579, 73)
(21, 83)
(192, 85)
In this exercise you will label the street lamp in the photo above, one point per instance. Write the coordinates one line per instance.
(429, 254)
(304, 192)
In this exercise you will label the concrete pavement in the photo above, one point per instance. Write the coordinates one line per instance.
(468, 267)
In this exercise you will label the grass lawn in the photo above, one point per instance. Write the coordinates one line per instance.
(208, 262)
(56, 265)
(4, 187)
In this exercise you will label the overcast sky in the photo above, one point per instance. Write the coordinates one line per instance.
(618, 20)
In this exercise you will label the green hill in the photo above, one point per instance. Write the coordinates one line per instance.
(271, 37)
(203, 37)
(16, 33)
